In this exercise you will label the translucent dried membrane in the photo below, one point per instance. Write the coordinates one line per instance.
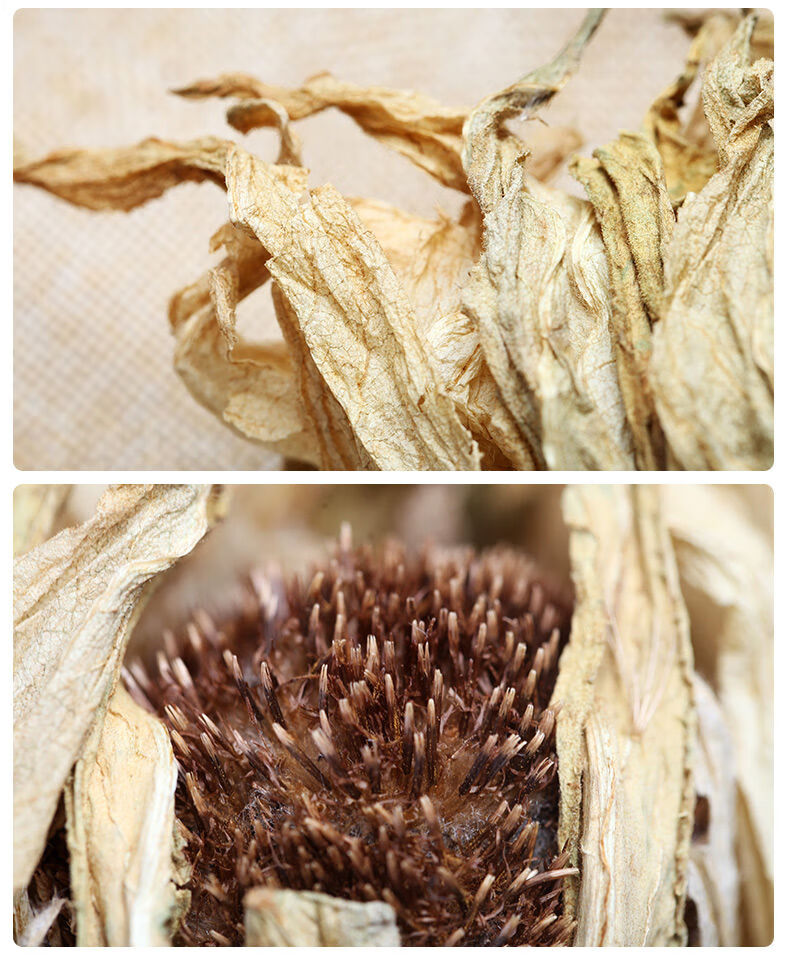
(537, 331)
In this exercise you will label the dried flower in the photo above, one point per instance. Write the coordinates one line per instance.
(336, 758)
(537, 330)
(381, 733)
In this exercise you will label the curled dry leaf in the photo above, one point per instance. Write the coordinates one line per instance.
(122, 179)
(712, 363)
(536, 330)
(686, 146)
(423, 130)
(538, 296)
(282, 917)
(251, 386)
(120, 818)
(414, 125)
(357, 324)
(625, 183)
(626, 733)
(76, 598)
(693, 21)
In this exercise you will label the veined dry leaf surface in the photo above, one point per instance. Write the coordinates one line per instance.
(359, 328)
(251, 386)
(76, 598)
(538, 297)
(122, 179)
(120, 819)
(626, 732)
(536, 330)
(625, 184)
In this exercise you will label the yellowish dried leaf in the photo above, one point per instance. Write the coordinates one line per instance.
(324, 419)
(120, 817)
(538, 298)
(76, 598)
(693, 20)
(432, 260)
(625, 183)
(427, 133)
(687, 151)
(414, 125)
(712, 363)
(626, 732)
(251, 386)
(122, 179)
(358, 327)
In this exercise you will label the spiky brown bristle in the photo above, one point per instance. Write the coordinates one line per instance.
(382, 732)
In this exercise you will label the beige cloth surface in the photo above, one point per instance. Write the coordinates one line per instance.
(94, 386)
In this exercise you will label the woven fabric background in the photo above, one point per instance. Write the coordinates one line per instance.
(94, 386)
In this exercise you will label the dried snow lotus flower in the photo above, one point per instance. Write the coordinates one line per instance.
(382, 733)
(388, 750)
(76, 598)
(536, 330)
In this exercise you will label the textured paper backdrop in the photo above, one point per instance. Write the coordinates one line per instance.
(94, 387)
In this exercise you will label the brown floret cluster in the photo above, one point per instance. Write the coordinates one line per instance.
(381, 732)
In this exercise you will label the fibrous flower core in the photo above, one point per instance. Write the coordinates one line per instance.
(381, 732)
